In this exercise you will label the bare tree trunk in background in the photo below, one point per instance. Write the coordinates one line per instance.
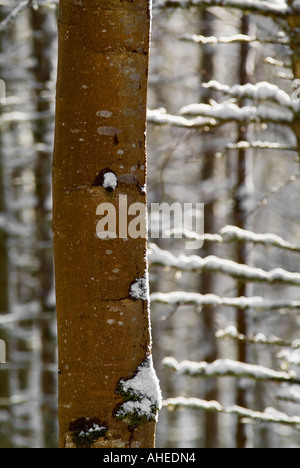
(42, 44)
(207, 280)
(240, 221)
(5, 429)
(100, 128)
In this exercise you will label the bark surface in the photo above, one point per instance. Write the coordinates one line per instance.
(100, 127)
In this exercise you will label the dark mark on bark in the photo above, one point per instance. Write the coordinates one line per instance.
(86, 431)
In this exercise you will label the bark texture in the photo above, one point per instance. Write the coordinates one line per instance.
(100, 126)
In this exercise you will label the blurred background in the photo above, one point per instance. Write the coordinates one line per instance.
(246, 174)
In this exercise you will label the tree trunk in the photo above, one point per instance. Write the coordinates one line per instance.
(241, 222)
(102, 304)
(5, 429)
(42, 42)
(207, 279)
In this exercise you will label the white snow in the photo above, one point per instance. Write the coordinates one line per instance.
(198, 39)
(160, 117)
(261, 145)
(140, 288)
(110, 181)
(91, 430)
(228, 111)
(262, 91)
(290, 356)
(145, 387)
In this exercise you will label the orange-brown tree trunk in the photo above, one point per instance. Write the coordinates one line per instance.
(294, 25)
(101, 284)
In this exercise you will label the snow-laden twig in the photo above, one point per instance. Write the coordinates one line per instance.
(260, 7)
(235, 39)
(291, 395)
(213, 115)
(160, 117)
(14, 400)
(265, 145)
(230, 112)
(261, 91)
(274, 190)
(270, 415)
(289, 357)
(25, 116)
(229, 368)
(21, 313)
(214, 264)
(181, 298)
(14, 228)
(14, 13)
(260, 338)
(230, 234)
(235, 234)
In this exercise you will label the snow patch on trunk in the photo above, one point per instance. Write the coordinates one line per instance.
(110, 181)
(140, 288)
(143, 395)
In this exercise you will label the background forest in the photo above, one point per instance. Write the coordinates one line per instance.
(223, 130)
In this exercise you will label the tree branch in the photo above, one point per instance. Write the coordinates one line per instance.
(270, 415)
(229, 368)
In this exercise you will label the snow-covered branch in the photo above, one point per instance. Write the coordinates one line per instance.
(160, 117)
(181, 298)
(262, 91)
(213, 115)
(214, 264)
(14, 228)
(291, 395)
(235, 39)
(229, 368)
(230, 234)
(270, 415)
(230, 112)
(260, 338)
(14, 400)
(280, 10)
(235, 234)
(264, 145)
(14, 13)
(17, 116)
(22, 313)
